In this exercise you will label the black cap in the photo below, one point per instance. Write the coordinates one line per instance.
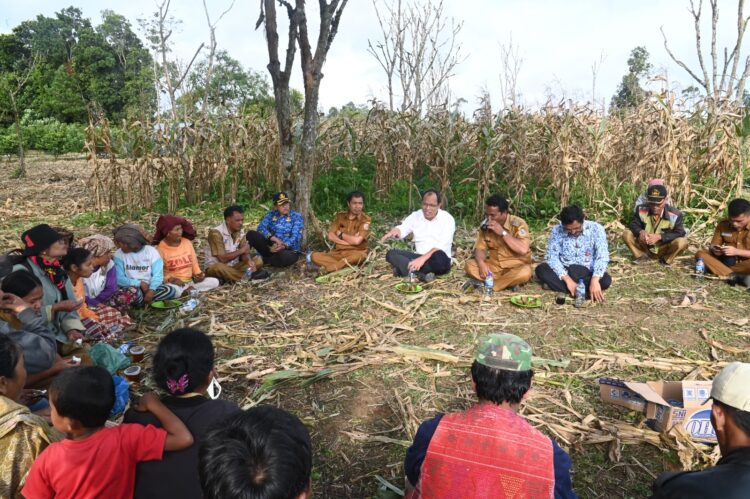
(281, 198)
(656, 193)
(38, 238)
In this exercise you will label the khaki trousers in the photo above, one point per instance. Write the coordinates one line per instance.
(338, 259)
(504, 277)
(668, 251)
(719, 268)
(227, 273)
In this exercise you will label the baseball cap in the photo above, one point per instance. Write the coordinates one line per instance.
(281, 198)
(656, 193)
(730, 386)
(504, 351)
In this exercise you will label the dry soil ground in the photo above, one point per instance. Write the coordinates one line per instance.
(341, 355)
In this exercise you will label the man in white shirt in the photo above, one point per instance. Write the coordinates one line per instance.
(432, 230)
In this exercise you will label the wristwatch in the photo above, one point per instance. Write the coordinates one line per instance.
(505, 233)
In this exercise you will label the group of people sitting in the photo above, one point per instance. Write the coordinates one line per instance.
(56, 292)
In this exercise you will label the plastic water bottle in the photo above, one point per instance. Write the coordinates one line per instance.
(194, 293)
(700, 269)
(189, 305)
(489, 284)
(580, 294)
(412, 276)
(248, 273)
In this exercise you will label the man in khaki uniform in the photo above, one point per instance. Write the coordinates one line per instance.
(349, 232)
(729, 253)
(656, 229)
(227, 253)
(505, 238)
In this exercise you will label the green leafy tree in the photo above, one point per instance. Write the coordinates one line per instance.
(630, 93)
(231, 89)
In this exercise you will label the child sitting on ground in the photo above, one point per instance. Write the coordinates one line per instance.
(101, 286)
(104, 323)
(94, 461)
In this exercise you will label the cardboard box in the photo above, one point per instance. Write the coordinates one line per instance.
(667, 403)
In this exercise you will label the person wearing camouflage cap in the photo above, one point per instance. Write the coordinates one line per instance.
(730, 417)
(508, 457)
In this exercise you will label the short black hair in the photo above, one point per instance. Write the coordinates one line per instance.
(497, 201)
(10, 354)
(741, 418)
(499, 385)
(75, 256)
(738, 207)
(355, 194)
(432, 191)
(571, 214)
(264, 452)
(231, 210)
(184, 351)
(86, 394)
(20, 283)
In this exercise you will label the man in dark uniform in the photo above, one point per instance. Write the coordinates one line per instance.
(656, 229)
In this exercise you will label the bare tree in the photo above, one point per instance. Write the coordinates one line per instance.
(211, 52)
(719, 80)
(159, 30)
(300, 176)
(511, 67)
(419, 51)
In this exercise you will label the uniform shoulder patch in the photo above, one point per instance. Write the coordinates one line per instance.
(522, 233)
(515, 222)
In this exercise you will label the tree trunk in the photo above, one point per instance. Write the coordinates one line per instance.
(306, 168)
(21, 170)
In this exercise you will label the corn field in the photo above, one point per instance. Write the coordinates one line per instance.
(557, 146)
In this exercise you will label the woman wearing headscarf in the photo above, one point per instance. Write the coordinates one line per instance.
(181, 270)
(101, 286)
(139, 265)
(41, 256)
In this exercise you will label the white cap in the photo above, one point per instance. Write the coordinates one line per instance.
(731, 386)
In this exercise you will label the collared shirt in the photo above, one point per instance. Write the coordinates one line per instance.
(428, 234)
(499, 251)
(220, 242)
(288, 228)
(356, 226)
(589, 249)
(726, 235)
(670, 224)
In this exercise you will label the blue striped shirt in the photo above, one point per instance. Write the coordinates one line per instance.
(589, 249)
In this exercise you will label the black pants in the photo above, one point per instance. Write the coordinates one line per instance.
(576, 272)
(438, 263)
(262, 245)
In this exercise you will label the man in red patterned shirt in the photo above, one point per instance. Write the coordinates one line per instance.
(489, 450)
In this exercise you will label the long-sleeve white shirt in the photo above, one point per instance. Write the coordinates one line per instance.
(428, 234)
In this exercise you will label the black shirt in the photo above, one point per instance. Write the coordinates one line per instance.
(729, 479)
(176, 475)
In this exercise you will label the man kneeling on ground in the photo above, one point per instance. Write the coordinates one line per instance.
(489, 450)
(730, 417)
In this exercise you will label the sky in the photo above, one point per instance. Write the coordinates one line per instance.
(558, 41)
